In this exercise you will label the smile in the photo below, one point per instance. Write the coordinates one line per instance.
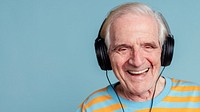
(138, 72)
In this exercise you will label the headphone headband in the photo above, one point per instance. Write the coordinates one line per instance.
(103, 58)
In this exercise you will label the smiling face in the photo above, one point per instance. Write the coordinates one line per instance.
(135, 52)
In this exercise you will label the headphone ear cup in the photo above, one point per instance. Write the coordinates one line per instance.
(167, 51)
(101, 54)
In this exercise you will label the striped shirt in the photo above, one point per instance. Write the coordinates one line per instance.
(177, 96)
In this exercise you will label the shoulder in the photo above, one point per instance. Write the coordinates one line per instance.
(184, 94)
(183, 85)
(97, 94)
(183, 82)
(96, 97)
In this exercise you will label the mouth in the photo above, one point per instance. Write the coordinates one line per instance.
(138, 72)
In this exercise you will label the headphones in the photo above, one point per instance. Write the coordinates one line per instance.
(103, 58)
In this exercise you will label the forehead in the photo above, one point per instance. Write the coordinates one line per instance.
(134, 26)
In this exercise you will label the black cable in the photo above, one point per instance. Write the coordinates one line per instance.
(155, 89)
(114, 91)
(152, 101)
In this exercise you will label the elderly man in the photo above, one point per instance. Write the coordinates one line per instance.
(135, 41)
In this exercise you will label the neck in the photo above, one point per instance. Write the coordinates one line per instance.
(141, 97)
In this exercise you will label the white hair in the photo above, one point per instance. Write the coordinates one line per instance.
(136, 9)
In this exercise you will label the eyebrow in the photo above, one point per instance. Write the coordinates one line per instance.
(117, 45)
(150, 43)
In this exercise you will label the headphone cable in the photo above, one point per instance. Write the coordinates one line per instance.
(152, 101)
(115, 91)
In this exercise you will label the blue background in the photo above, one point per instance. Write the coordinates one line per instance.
(47, 57)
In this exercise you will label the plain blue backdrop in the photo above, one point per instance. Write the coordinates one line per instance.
(47, 57)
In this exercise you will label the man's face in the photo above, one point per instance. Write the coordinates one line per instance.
(135, 52)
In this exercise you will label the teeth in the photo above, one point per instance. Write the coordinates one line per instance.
(139, 72)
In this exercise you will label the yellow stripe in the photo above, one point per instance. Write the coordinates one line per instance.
(101, 90)
(97, 100)
(186, 88)
(182, 99)
(110, 108)
(177, 81)
(171, 110)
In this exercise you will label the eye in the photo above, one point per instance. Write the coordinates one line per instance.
(122, 49)
(149, 46)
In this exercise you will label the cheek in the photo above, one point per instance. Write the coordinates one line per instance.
(154, 58)
(117, 62)
(155, 62)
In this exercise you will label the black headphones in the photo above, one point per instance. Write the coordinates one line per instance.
(103, 58)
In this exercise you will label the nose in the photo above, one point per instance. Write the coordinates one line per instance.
(136, 58)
